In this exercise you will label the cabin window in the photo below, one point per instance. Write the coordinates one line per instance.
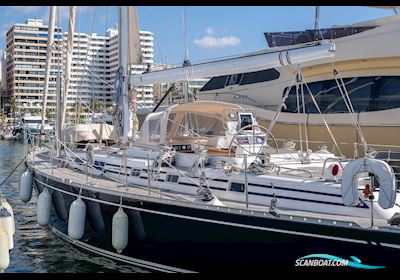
(98, 165)
(172, 178)
(135, 172)
(78, 161)
(259, 76)
(241, 79)
(366, 94)
(215, 83)
(237, 187)
(234, 79)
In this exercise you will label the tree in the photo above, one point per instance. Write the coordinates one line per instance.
(77, 110)
(49, 113)
(3, 117)
(96, 105)
(195, 91)
(14, 108)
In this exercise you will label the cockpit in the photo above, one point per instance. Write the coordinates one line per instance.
(217, 126)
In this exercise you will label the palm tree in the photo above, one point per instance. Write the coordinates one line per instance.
(96, 105)
(49, 113)
(77, 110)
(194, 93)
(3, 117)
(13, 108)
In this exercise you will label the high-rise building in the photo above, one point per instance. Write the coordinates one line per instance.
(95, 61)
(26, 47)
(93, 68)
(3, 79)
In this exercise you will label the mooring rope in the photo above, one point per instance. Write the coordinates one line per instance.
(8, 176)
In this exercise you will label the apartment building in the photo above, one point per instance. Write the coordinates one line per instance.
(26, 47)
(94, 65)
(95, 61)
(3, 79)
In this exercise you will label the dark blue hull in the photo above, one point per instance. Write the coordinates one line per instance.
(203, 240)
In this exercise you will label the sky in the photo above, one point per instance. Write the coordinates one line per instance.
(207, 31)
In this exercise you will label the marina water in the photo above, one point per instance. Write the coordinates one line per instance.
(38, 249)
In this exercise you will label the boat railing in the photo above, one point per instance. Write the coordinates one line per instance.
(85, 163)
(338, 160)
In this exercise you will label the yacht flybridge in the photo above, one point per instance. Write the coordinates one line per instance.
(202, 186)
(366, 65)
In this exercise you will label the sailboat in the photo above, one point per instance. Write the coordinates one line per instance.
(204, 187)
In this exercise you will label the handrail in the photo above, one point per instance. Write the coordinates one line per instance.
(338, 160)
(103, 174)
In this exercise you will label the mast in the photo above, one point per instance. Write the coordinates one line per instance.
(129, 53)
(50, 39)
(123, 41)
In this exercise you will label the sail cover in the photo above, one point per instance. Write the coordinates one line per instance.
(135, 51)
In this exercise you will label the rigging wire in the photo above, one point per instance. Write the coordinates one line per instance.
(347, 101)
(304, 112)
(320, 112)
(298, 112)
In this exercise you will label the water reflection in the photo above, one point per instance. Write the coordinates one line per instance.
(38, 249)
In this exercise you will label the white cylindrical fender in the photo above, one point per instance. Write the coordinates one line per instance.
(4, 253)
(6, 224)
(77, 218)
(22, 170)
(5, 204)
(43, 208)
(25, 185)
(385, 174)
(120, 227)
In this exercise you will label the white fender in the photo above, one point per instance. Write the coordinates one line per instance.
(386, 177)
(5, 204)
(6, 224)
(43, 209)
(25, 185)
(77, 218)
(120, 228)
(4, 253)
